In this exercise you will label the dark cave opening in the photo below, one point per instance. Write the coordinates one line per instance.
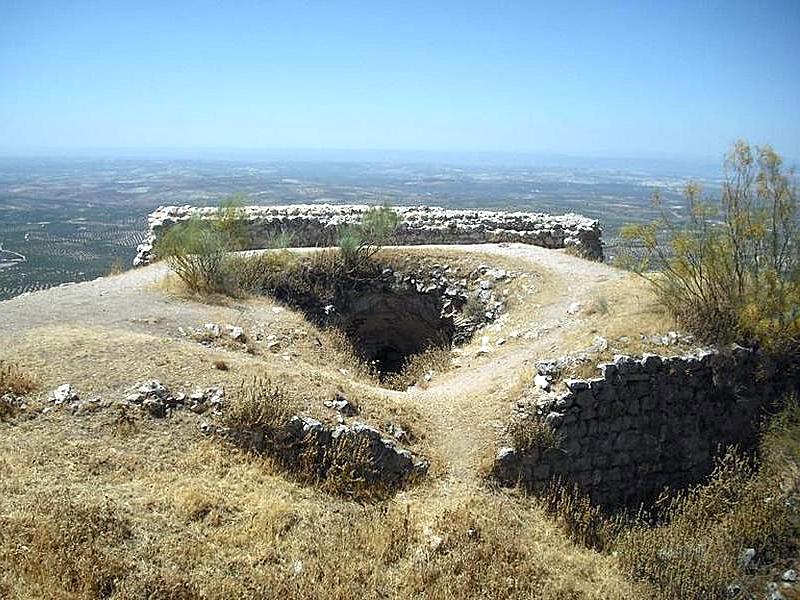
(388, 326)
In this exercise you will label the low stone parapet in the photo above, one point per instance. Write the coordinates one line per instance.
(318, 224)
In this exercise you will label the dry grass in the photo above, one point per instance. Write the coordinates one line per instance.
(169, 514)
(161, 511)
(261, 404)
(598, 306)
(15, 381)
(417, 367)
(59, 544)
(530, 433)
(346, 467)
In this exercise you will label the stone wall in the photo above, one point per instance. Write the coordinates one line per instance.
(650, 423)
(317, 224)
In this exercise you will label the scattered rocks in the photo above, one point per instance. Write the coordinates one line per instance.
(342, 405)
(542, 382)
(396, 432)
(14, 401)
(746, 558)
(215, 333)
(671, 338)
(63, 394)
(154, 398)
(210, 399)
(318, 448)
(774, 592)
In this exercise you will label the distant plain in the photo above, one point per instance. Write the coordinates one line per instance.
(78, 219)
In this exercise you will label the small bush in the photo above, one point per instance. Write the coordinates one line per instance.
(228, 222)
(474, 309)
(14, 381)
(262, 404)
(359, 243)
(731, 270)
(259, 272)
(583, 522)
(281, 241)
(195, 249)
(527, 434)
(348, 468)
(598, 306)
(117, 267)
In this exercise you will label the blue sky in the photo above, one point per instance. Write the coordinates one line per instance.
(606, 79)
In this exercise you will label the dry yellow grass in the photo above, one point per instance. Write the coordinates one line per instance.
(116, 504)
(169, 512)
(14, 380)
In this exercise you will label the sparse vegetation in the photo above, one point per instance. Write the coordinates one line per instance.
(528, 434)
(196, 249)
(731, 270)
(359, 243)
(117, 266)
(59, 543)
(15, 381)
(434, 360)
(598, 306)
(178, 514)
(281, 241)
(261, 404)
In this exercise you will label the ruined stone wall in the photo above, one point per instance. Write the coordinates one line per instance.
(317, 224)
(650, 423)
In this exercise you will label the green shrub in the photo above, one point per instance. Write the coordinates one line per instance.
(229, 223)
(281, 240)
(195, 249)
(359, 243)
(731, 271)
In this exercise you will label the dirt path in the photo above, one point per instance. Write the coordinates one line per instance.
(470, 407)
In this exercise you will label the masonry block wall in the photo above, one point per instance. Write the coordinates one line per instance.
(651, 423)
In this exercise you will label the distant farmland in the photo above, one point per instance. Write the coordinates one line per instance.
(59, 252)
(73, 219)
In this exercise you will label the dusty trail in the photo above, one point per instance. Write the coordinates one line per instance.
(469, 407)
